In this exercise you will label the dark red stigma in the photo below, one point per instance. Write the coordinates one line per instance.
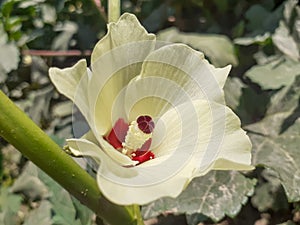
(145, 124)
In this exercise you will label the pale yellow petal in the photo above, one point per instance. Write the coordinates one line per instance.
(116, 59)
(127, 30)
(236, 147)
(73, 82)
(223, 164)
(152, 96)
(221, 74)
(85, 147)
(67, 80)
(208, 131)
(189, 69)
(120, 192)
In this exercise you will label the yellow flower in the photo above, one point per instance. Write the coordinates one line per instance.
(156, 113)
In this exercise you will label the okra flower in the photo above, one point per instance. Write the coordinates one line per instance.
(156, 113)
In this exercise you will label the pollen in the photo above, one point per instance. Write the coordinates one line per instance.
(138, 133)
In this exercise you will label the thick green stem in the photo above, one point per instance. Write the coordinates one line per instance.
(137, 214)
(31, 141)
(114, 9)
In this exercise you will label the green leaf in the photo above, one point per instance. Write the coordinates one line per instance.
(83, 213)
(9, 206)
(261, 20)
(65, 213)
(62, 204)
(256, 15)
(279, 152)
(11, 160)
(252, 105)
(37, 104)
(40, 215)
(286, 36)
(7, 7)
(39, 69)
(287, 99)
(218, 48)
(3, 75)
(13, 26)
(244, 101)
(285, 42)
(257, 39)
(3, 35)
(35, 184)
(9, 201)
(48, 13)
(28, 3)
(233, 92)
(269, 195)
(40, 104)
(9, 57)
(62, 40)
(63, 109)
(276, 139)
(275, 74)
(262, 58)
(215, 195)
(29, 184)
(58, 140)
(289, 8)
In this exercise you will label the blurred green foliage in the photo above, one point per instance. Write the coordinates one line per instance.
(42, 24)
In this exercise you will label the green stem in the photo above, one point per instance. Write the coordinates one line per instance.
(30, 140)
(137, 215)
(114, 9)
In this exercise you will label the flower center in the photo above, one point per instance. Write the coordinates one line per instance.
(133, 139)
(138, 133)
(145, 124)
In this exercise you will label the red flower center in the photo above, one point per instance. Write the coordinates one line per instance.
(119, 131)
